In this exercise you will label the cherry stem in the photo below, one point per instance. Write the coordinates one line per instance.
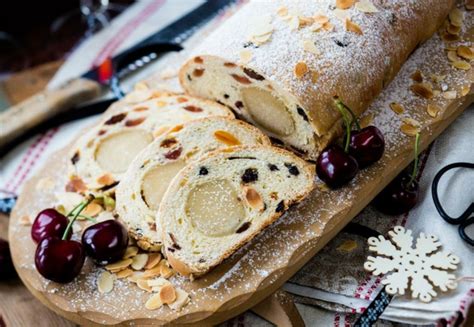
(77, 211)
(342, 106)
(415, 165)
(342, 109)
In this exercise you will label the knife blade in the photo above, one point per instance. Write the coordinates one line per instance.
(17, 120)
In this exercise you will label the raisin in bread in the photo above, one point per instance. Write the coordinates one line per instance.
(278, 64)
(100, 156)
(139, 194)
(218, 203)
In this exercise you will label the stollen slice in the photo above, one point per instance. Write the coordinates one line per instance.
(139, 194)
(218, 203)
(102, 155)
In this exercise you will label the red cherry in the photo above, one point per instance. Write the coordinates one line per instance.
(7, 270)
(105, 242)
(398, 197)
(49, 223)
(59, 260)
(367, 145)
(335, 167)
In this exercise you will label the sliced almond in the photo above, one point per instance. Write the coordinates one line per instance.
(424, 90)
(158, 282)
(347, 246)
(136, 276)
(153, 272)
(167, 294)
(366, 6)
(433, 110)
(165, 270)
(366, 120)
(320, 19)
(465, 52)
(353, 27)
(452, 56)
(124, 273)
(310, 46)
(344, 4)
(76, 184)
(154, 302)
(342, 14)
(397, 108)
(453, 30)
(282, 11)
(131, 251)
(245, 56)
(106, 179)
(305, 21)
(153, 260)
(253, 198)
(92, 209)
(25, 220)
(411, 121)
(139, 261)
(105, 282)
(328, 26)
(226, 138)
(456, 17)
(460, 64)
(449, 95)
(182, 298)
(301, 69)
(119, 265)
(143, 284)
(138, 96)
(409, 130)
(417, 76)
(465, 90)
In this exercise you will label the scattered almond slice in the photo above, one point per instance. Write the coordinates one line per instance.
(282, 11)
(309, 46)
(167, 294)
(106, 179)
(165, 270)
(344, 4)
(153, 272)
(409, 130)
(294, 23)
(316, 27)
(453, 30)
(92, 209)
(449, 95)
(141, 86)
(154, 302)
(139, 261)
(465, 90)
(342, 14)
(300, 69)
(320, 19)
(143, 284)
(253, 198)
(366, 120)
(366, 6)
(124, 273)
(305, 21)
(105, 282)
(397, 108)
(25, 220)
(465, 52)
(182, 298)
(245, 56)
(353, 27)
(226, 138)
(122, 264)
(328, 26)
(138, 96)
(347, 246)
(456, 17)
(452, 56)
(460, 64)
(153, 260)
(433, 110)
(411, 121)
(136, 276)
(424, 90)
(158, 282)
(417, 76)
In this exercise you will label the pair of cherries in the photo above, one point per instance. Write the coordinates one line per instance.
(336, 166)
(60, 259)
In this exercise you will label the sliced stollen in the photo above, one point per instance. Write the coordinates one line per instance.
(100, 157)
(218, 203)
(278, 64)
(139, 194)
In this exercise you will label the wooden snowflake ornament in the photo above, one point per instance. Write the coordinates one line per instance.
(421, 264)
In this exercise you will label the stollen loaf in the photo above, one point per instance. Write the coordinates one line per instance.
(278, 64)
(219, 202)
(139, 193)
(100, 157)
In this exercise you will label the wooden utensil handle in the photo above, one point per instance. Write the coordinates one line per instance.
(27, 114)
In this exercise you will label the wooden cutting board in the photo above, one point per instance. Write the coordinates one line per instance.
(263, 265)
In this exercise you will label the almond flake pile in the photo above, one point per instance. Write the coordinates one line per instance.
(261, 31)
(150, 272)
